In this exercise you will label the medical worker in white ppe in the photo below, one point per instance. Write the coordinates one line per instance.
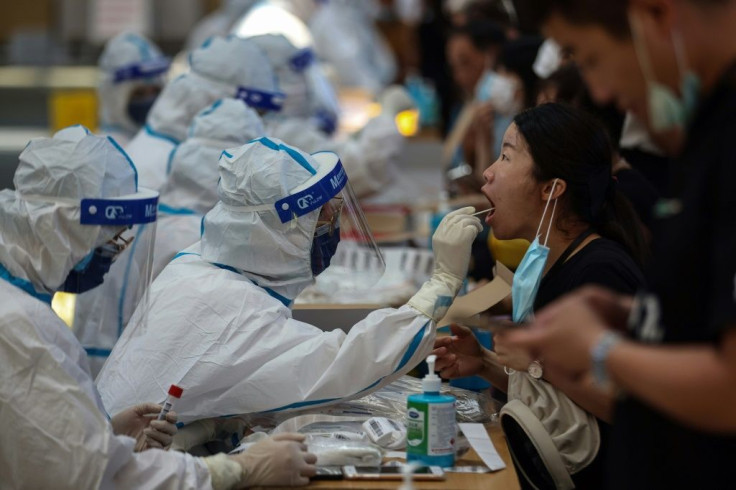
(220, 323)
(191, 189)
(309, 115)
(56, 232)
(346, 37)
(132, 74)
(221, 67)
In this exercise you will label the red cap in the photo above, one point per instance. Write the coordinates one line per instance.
(175, 391)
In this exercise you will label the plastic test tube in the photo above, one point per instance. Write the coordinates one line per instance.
(174, 392)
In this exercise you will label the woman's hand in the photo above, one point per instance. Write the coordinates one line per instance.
(511, 357)
(460, 355)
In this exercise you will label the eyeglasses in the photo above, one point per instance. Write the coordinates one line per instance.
(115, 246)
(330, 214)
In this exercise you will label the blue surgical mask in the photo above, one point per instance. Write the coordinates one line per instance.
(529, 274)
(324, 246)
(667, 111)
(89, 272)
(138, 109)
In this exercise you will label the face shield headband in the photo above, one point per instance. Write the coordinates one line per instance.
(141, 70)
(350, 238)
(258, 99)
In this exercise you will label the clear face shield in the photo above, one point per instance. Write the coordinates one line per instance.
(124, 263)
(342, 239)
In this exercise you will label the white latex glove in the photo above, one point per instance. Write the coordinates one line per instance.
(139, 422)
(451, 244)
(279, 460)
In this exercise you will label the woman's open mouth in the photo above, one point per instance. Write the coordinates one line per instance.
(492, 211)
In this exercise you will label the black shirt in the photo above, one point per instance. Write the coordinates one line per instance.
(605, 263)
(602, 262)
(692, 273)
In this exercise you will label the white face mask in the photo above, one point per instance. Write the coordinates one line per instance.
(549, 59)
(501, 91)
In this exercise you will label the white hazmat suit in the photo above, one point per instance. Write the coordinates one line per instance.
(345, 36)
(55, 430)
(191, 189)
(101, 314)
(49, 408)
(219, 22)
(220, 68)
(229, 338)
(369, 156)
(128, 61)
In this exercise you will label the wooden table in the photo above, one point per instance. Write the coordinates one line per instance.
(500, 480)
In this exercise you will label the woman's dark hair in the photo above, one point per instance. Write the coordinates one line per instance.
(569, 144)
(610, 15)
(483, 34)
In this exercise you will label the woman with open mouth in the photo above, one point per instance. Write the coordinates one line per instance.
(552, 186)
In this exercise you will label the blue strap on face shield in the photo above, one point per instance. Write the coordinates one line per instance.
(302, 60)
(315, 197)
(141, 70)
(119, 212)
(326, 121)
(258, 99)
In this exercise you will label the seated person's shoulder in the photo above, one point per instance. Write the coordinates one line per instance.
(607, 263)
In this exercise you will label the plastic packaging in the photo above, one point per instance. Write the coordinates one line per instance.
(334, 452)
(430, 423)
(406, 270)
(389, 401)
(386, 433)
(329, 426)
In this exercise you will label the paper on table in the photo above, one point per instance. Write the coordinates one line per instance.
(481, 442)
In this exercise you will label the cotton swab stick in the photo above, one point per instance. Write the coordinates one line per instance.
(484, 211)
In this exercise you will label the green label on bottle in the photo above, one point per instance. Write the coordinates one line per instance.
(416, 428)
(430, 428)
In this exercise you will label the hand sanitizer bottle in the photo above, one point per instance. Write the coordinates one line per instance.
(430, 423)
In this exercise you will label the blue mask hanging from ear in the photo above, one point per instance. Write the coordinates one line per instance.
(89, 273)
(324, 245)
(529, 274)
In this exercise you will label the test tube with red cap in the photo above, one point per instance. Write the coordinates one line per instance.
(174, 393)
